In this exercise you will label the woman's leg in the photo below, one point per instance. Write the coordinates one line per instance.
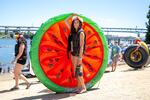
(81, 79)
(24, 78)
(18, 75)
(17, 70)
(74, 62)
(116, 62)
(113, 64)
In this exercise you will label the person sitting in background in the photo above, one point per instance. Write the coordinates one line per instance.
(115, 54)
(141, 43)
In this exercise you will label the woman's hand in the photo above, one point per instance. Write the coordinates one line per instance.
(14, 61)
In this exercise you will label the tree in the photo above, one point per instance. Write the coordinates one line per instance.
(28, 35)
(147, 37)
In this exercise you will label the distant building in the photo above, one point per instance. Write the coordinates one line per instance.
(120, 39)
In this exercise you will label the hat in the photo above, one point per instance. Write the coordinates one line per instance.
(18, 35)
(137, 40)
(77, 18)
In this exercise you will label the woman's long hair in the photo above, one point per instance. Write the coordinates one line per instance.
(73, 30)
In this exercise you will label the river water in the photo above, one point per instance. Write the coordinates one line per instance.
(7, 52)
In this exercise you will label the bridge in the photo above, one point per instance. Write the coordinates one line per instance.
(12, 29)
(8, 29)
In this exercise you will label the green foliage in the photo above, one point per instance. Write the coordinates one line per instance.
(147, 37)
(28, 35)
(2, 33)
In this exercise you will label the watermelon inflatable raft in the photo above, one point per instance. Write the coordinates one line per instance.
(49, 54)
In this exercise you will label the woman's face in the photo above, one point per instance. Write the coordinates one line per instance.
(76, 24)
(17, 37)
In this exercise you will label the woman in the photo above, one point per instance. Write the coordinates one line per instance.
(20, 60)
(76, 44)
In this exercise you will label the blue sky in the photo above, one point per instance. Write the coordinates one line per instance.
(106, 13)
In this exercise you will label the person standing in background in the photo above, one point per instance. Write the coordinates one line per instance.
(115, 54)
(20, 60)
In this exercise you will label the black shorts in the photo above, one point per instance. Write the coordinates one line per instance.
(75, 54)
(21, 61)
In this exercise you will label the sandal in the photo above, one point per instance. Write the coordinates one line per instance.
(14, 88)
(28, 85)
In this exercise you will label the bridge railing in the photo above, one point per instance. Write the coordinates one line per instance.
(7, 29)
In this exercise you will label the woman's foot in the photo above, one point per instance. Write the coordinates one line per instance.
(14, 88)
(81, 91)
(28, 85)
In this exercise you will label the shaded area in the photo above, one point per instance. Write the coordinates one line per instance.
(52, 95)
(48, 96)
(134, 69)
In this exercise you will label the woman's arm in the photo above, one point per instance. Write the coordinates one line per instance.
(81, 47)
(81, 44)
(67, 20)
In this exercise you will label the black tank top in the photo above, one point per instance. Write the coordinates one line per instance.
(75, 38)
(24, 54)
